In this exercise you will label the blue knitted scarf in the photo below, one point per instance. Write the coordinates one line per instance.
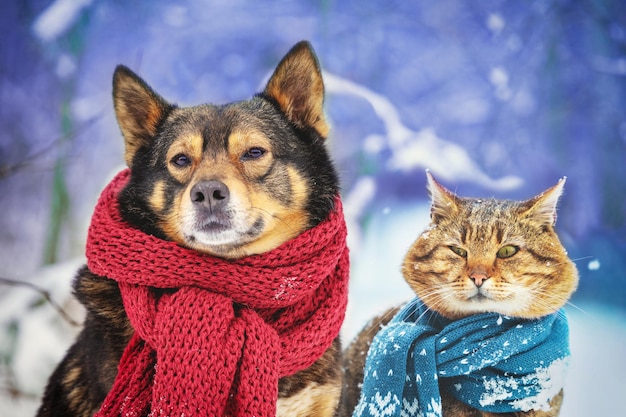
(490, 362)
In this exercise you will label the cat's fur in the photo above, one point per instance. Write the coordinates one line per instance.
(480, 255)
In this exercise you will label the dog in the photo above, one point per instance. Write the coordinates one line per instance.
(230, 181)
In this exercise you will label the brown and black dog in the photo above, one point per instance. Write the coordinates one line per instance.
(264, 159)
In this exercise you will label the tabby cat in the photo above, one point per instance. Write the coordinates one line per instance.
(479, 256)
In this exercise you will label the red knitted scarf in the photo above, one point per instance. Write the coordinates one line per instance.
(221, 334)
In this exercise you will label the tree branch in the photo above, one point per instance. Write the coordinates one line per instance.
(45, 294)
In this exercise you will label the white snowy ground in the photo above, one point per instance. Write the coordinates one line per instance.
(598, 334)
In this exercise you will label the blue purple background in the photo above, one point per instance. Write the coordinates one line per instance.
(497, 98)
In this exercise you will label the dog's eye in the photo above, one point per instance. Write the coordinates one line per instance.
(181, 160)
(253, 153)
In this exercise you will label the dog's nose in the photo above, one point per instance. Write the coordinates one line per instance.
(211, 194)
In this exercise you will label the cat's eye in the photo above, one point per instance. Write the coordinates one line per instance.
(507, 251)
(459, 251)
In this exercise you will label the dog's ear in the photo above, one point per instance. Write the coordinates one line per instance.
(298, 88)
(139, 110)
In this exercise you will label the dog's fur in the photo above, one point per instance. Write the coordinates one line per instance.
(231, 181)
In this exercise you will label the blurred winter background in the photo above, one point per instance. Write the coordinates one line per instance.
(497, 98)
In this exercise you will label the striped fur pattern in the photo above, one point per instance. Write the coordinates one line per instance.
(478, 256)
(490, 255)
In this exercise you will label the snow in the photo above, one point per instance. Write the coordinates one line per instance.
(598, 334)
(354, 203)
(597, 376)
(422, 148)
(66, 66)
(593, 265)
(499, 78)
(496, 391)
(610, 65)
(41, 338)
(550, 380)
(58, 18)
(283, 291)
(495, 23)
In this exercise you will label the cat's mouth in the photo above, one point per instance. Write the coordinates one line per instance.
(480, 295)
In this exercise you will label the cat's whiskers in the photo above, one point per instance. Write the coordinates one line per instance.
(582, 258)
(436, 291)
(550, 302)
(441, 303)
(569, 303)
(513, 291)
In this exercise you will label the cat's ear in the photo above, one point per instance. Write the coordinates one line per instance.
(542, 208)
(443, 201)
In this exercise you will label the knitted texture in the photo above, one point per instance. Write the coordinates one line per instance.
(491, 362)
(212, 336)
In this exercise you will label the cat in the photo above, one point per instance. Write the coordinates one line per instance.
(479, 256)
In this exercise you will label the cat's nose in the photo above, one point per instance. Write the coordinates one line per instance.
(479, 276)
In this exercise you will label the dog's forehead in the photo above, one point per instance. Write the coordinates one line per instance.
(217, 124)
(196, 120)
